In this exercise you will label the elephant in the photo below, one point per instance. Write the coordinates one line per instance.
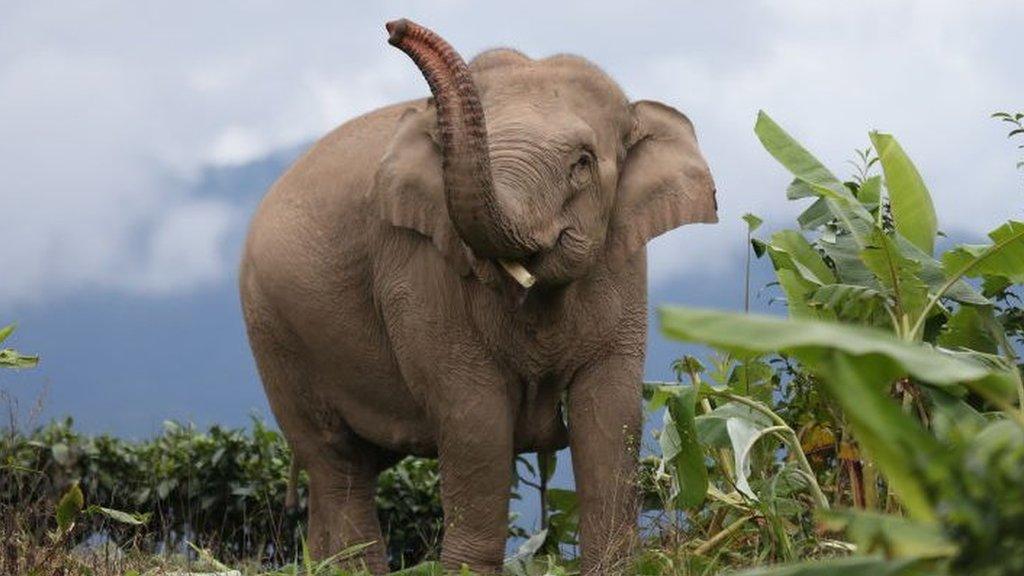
(464, 277)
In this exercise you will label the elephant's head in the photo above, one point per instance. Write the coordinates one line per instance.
(563, 172)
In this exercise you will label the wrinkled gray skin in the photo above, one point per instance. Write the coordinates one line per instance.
(382, 326)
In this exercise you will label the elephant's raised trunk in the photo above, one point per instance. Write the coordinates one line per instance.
(469, 186)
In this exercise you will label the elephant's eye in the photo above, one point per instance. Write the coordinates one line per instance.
(581, 170)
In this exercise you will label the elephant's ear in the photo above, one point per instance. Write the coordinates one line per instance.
(664, 182)
(409, 187)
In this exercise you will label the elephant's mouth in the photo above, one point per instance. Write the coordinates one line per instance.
(524, 271)
(564, 260)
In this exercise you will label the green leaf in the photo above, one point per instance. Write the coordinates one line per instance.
(818, 179)
(753, 222)
(790, 250)
(972, 327)
(851, 303)
(425, 569)
(798, 189)
(749, 374)
(688, 366)
(897, 274)
(11, 359)
(870, 194)
(759, 247)
(68, 508)
(855, 566)
(1004, 257)
(658, 394)
(712, 428)
(547, 463)
(934, 276)
(912, 211)
(131, 518)
(794, 157)
(815, 216)
(743, 435)
(208, 557)
(519, 563)
(61, 453)
(811, 340)
(951, 415)
(680, 449)
(797, 291)
(844, 251)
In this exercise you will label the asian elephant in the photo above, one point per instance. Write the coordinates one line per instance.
(384, 323)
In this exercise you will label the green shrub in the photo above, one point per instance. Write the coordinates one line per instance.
(223, 490)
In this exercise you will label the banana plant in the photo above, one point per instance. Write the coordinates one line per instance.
(956, 482)
(719, 446)
(864, 254)
(870, 254)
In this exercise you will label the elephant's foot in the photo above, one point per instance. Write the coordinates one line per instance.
(482, 559)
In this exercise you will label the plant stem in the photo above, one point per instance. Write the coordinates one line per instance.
(722, 536)
(542, 469)
(746, 277)
(816, 491)
(792, 440)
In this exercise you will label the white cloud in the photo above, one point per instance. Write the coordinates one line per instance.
(831, 72)
(185, 248)
(236, 145)
(110, 109)
(109, 116)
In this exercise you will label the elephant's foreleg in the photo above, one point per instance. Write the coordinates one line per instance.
(605, 424)
(476, 457)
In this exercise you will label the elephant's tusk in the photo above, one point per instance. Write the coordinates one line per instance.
(519, 273)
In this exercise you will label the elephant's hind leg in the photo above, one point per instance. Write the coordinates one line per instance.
(342, 471)
(342, 476)
(342, 509)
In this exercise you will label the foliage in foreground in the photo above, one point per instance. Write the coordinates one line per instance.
(916, 365)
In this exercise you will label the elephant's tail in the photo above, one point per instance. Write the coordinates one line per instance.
(291, 496)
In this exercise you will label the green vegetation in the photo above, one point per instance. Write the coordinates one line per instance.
(223, 490)
(1016, 131)
(876, 430)
(903, 371)
(10, 358)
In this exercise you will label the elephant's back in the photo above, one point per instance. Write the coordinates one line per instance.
(333, 179)
(307, 252)
(318, 213)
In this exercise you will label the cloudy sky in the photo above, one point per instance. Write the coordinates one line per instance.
(109, 111)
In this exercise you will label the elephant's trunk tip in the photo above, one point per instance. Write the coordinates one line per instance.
(397, 29)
